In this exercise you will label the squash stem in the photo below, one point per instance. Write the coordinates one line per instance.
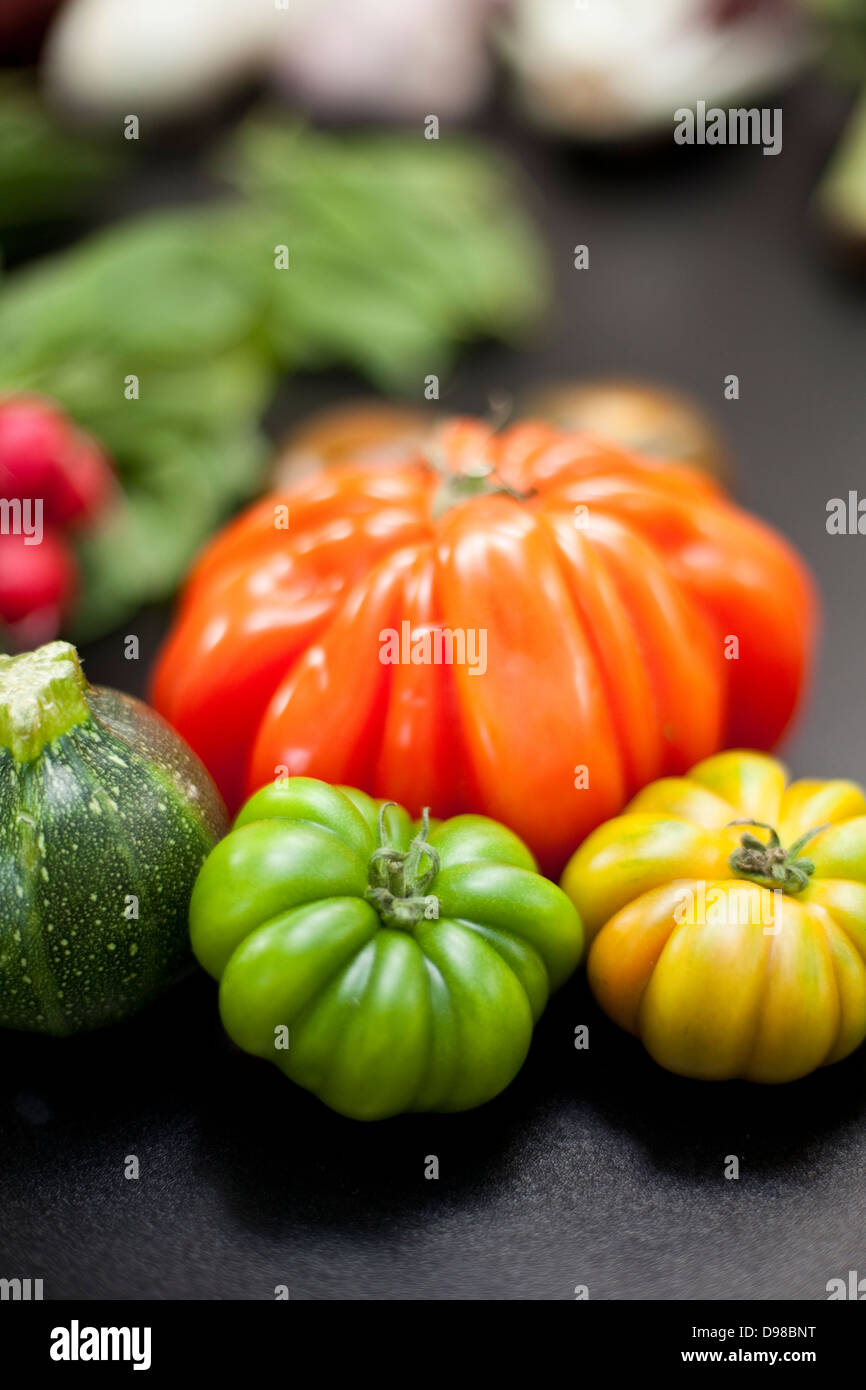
(43, 694)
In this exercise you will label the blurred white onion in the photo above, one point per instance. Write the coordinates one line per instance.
(157, 58)
(355, 58)
(603, 69)
(386, 58)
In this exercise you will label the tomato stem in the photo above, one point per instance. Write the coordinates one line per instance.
(399, 879)
(770, 864)
(480, 479)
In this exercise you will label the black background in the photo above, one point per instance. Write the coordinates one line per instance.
(595, 1167)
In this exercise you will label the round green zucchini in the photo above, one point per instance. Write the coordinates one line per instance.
(106, 817)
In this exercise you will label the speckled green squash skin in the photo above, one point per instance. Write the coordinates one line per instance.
(117, 807)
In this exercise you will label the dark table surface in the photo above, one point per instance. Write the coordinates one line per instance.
(595, 1167)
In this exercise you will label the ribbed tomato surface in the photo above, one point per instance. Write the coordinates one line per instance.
(633, 621)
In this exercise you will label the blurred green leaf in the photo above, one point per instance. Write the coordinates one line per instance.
(843, 23)
(44, 169)
(435, 223)
(842, 190)
(399, 250)
(171, 506)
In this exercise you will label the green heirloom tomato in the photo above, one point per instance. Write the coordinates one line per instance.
(383, 965)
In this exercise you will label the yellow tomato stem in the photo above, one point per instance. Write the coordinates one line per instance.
(771, 865)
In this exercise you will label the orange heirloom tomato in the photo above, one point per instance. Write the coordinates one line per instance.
(582, 598)
(728, 912)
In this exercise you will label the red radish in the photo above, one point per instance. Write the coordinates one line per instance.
(82, 485)
(37, 584)
(45, 463)
(34, 437)
(42, 455)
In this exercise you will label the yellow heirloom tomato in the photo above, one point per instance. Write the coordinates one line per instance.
(727, 914)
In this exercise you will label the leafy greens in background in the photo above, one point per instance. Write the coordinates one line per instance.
(399, 250)
(844, 25)
(45, 172)
(402, 246)
(842, 190)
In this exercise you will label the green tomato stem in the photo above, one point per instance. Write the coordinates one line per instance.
(399, 879)
(42, 696)
(479, 480)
